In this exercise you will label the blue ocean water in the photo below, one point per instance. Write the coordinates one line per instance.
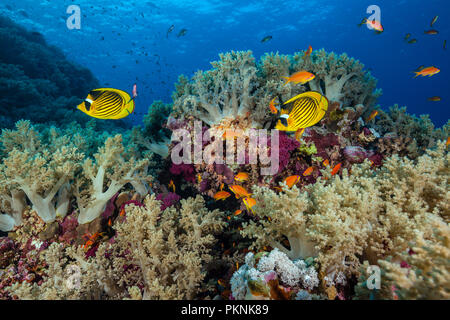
(123, 42)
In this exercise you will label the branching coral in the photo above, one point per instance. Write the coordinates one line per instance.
(226, 91)
(237, 85)
(370, 214)
(41, 171)
(398, 124)
(339, 78)
(113, 168)
(154, 255)
(154, 136)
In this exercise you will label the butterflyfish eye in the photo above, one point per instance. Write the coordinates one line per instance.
(87, 104)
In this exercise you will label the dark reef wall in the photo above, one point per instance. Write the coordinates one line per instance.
(36, 80)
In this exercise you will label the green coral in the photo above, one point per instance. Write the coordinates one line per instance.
(308, 149)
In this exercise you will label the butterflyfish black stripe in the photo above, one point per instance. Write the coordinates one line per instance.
(112, 100)
(304, 110)
(112, 104)
(110, 111)
(300, 109)
(312, 112)
(108, 97)
(107, 109)
(308, 121)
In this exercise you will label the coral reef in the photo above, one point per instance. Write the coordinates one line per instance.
(407, 134)
(36, 80)
(237, 85)
(154, 255)
(106, 214)
(272, 276)
(364, 215)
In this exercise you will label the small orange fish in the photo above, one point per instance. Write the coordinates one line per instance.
(122, 212)
(221, 186)
(432, 32)
(231, 134)
(336, 169)
(199, 178)
(237, 265)
(249, 203)
(272, 107)
(435, 99)
(301, 77)
(291, 181)
(237, 212)
(229, 218)
(109, 222)
(326, 163)
(221, 195)
(299, 134)
(172, 185)
(239, 191)
(448, 142)
(308, 171)
(374, 24)
(241, 176)
(429, 71)
(372, 115)
(308, 52)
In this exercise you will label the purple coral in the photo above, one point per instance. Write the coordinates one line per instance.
(168, 199)
(355, 154)
(286, 146)
(68, 228)
(226, 172)
(186, 170)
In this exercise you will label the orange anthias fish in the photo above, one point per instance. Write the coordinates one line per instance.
(272, 107)
(308, 171)
(221, 195)
(172, 185)
(429, 71)
(239, 191)
(231, 134)
(308, 52)
(241, 176)
(336, 169)
(326, 163)
(374, 24)
(432, 32)
(434, 99)
(299, 134)
(291, 181)
(91, 239)
(448, 142)
(301, 77)
(372, 115)
(237, 212)
(249, 203)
